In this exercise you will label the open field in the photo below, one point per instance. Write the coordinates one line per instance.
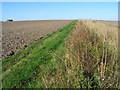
(20, 34)
(114, 23)
(82, 54)
(26, 64)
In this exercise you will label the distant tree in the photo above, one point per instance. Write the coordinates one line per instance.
(9, 20)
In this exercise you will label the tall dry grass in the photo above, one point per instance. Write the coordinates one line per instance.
(89, 60)
(94, 47)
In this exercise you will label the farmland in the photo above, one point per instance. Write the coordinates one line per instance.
(82, 54)
(17, 35)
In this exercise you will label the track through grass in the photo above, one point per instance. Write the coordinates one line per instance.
(26, 64)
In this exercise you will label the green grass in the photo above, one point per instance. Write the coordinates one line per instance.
(23, 69)
(68, 58)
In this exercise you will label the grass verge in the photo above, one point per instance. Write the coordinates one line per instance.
(88, 60)
(85, 58)
(26, 64)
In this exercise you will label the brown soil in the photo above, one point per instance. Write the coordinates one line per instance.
(17, 35)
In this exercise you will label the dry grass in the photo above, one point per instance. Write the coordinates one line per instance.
(93, 48)
(89, 60)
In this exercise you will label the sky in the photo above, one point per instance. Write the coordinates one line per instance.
(19, 11)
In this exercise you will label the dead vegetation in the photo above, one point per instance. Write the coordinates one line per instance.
(93, 48)
(90, 59)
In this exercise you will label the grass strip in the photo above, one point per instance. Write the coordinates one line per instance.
(29, 67)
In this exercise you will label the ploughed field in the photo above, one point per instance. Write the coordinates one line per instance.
(17, 35)
(82, 54)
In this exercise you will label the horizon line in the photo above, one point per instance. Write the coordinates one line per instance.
(57, 19)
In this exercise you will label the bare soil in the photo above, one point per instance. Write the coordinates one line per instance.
(17, 35)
